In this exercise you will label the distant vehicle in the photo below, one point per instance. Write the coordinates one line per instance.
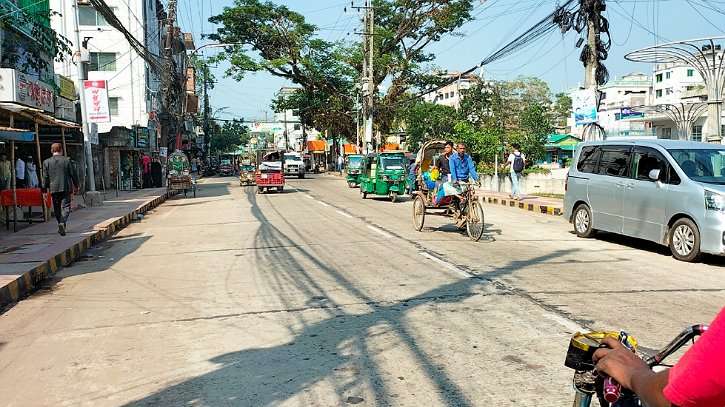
(294, 165)
(665, 191)
(226, 168)
(269, 173)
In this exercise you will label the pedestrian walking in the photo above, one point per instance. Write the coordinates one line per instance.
(5, 172)
(31, 173)
(146, 170)
(61, 180)
(19, 173)
(517, 162)
(339, 163)
(156, 174)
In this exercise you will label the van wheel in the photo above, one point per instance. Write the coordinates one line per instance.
(685, 240)
(583, 221)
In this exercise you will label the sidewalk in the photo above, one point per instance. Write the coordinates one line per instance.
(547, 206)
(37, 252)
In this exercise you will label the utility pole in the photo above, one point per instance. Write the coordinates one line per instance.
(168, 75)
(369, 37)
(88, 150)
(207, 138)
(286, 136)
(590, 69)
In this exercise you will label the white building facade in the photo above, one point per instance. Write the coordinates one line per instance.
(450, 95)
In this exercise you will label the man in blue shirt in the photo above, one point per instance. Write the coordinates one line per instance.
(461, 165)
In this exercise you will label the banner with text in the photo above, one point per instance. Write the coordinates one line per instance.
(96, 94)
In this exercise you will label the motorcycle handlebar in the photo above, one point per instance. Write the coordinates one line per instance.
(679, 341)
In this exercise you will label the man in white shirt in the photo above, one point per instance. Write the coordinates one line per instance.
(19, 173)
(517, 162)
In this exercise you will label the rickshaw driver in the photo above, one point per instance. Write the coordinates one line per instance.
(462, 169)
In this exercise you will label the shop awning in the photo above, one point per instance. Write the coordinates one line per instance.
(349, 149)
(37, 115)
(316, 146)
(10, 134)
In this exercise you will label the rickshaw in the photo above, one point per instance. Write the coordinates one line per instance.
(179, 174)
(247, 172)
(353, 163)
(383, 174)
(270, 174)
(464, 208)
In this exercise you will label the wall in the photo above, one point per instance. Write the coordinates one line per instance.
(552, 183)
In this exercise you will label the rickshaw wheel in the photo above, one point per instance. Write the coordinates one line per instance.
(363, 194)
(351, 185)
(475, 224)
(418, 213)
(393, 197)
(280, 189)
(259, 190)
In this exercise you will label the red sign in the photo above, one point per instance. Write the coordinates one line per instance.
(96, 95)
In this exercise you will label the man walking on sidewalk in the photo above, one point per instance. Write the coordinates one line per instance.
(61, 180)
(517, 161)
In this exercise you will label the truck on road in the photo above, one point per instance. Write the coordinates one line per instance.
(293, 164)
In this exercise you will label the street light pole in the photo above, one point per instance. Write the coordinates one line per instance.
(88, 150)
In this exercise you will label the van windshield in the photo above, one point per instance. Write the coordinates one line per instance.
(392, 163)
(354, 162)
(702, 165)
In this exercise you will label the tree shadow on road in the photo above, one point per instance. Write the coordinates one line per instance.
(335, 349)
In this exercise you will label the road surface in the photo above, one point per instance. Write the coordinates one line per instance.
(316, 297)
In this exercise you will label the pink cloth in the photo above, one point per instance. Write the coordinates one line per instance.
(698, 379)
(146, 161)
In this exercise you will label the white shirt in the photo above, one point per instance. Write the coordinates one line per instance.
(513, 156)
(20, 169)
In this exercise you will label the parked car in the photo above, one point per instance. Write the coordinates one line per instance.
(665, 191)
(226, 168)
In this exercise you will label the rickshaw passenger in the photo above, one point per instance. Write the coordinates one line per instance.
(443, 163)
(461, 166)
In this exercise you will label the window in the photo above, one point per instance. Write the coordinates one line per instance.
(702, 165)
(668, 75)
(696, 133)
(588, 159)
(666, 133)
(658, 93)
(646, 160)
(658, 77)
(87, 15)
(690, 73)
(103, 61)
(669, 91)
(113, 106)
(298, 126)
(689, 87)
(614, 161)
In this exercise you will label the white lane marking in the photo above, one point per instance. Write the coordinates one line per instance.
(344, 214)
(569, 325)
(310, 196)
(322, 203)
(446, 264)
(380, 231)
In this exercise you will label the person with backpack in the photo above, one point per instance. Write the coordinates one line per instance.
(517, 161)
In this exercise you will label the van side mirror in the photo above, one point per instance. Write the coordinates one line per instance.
(654, 175)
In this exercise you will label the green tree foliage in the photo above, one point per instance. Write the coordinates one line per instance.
(482, 143)
(426, 121)
(277, 40)
(561, 109)
(534, 128)
(229, 137)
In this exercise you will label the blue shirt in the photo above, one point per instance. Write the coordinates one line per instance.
(462, 168)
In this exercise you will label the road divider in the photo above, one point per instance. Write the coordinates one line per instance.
(546, 206)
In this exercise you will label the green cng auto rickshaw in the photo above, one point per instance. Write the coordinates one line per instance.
(383, 174)
(353, 163)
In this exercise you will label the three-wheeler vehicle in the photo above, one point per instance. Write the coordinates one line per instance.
(383, 174)
(247, 172)
(179, 174)
(353, 163)
(270, 173)
(462, 206)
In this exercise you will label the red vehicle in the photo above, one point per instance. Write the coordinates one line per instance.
(270, 173)
(226, 169)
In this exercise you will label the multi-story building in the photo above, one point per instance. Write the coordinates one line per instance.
(288, 122)
(133, 88)
(450, 95)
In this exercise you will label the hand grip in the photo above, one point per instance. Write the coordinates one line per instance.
(612, 390)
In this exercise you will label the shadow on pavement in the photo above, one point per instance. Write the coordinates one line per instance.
(334, 349)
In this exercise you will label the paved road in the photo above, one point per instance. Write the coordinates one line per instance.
(317, 297)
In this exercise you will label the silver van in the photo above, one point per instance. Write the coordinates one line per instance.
(666, 191)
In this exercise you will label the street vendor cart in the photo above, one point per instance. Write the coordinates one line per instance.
(179, 174)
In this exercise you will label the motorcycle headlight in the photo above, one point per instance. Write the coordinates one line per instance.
(714, 201)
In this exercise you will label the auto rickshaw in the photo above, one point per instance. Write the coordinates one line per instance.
(353, 163)
(383, 174)
(247, 173)
(179, 174)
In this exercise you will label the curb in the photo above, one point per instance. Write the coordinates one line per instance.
(30, 280)
(532, 207)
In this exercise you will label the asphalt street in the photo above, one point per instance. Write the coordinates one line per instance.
(316, 297)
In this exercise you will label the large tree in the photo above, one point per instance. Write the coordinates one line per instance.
(277, 40)
(230, 136)
(425, 121)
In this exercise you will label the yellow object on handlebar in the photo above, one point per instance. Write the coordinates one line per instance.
(583, 345)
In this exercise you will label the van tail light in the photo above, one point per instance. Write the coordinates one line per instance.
(566, 182)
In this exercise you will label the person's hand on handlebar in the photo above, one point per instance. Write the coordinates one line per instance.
(619, 363)
(622, 365)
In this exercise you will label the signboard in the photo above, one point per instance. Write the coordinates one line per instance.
(67, 87)
(93, 133)
(163, 151)
(142, 137)
(584, 105)
(96, 94)
(23, 89)
(65, 109)
(627, 113)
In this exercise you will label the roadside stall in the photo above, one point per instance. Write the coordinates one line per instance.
(317, 149)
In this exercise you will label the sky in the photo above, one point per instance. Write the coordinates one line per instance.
(634, 24)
